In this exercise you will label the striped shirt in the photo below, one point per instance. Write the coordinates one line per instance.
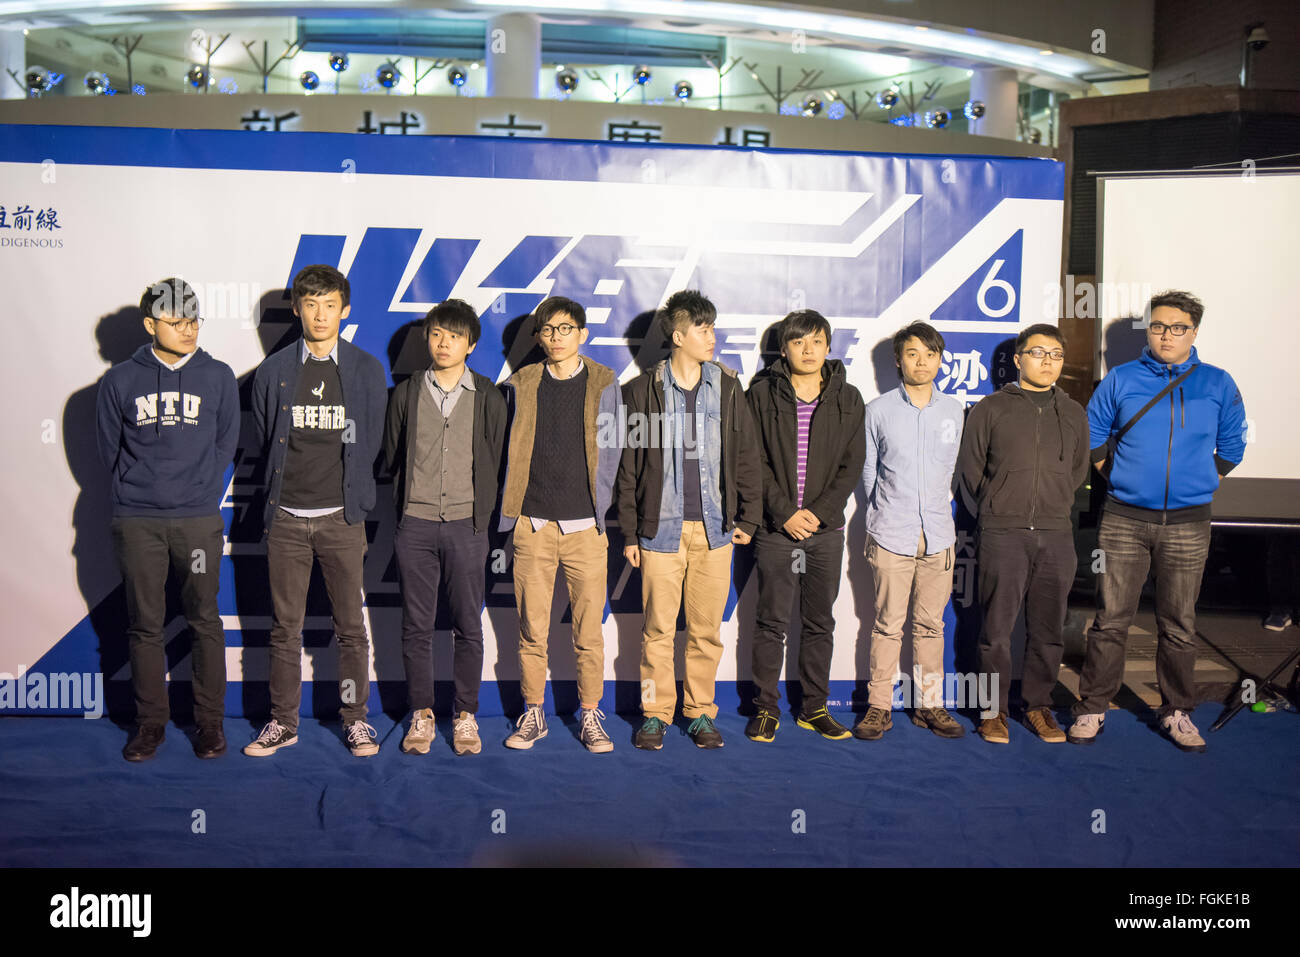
(805, 413)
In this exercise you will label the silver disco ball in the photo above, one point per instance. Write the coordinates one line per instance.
(973, 109)
(641, 75)
(309, 80)
(937, 119)
(887, 99)
(197, 76)
(97, 83)
(338, 62)
(566, 81)
(38, 80)
(683, 90)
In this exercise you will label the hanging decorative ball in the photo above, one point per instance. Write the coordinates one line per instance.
(1035, 136)
(338, 62)
(683, 90)
(386, 76)
(973, 109)
(197, 76)
(811, 106)
(641, 75)
(96, 83)
(937, 119)
(309, 80)
(566, 81)
(887, 99)
(456, 76)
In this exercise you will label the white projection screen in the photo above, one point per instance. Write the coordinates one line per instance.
(1230, 239)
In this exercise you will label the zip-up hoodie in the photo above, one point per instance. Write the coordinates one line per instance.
(167, 435)
(836, 444)
(1167, 466)
(1022, 462)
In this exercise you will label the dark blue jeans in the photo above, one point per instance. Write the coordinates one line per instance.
(1131, 549)
(451, 553)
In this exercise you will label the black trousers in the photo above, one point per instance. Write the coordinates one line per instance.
(291, 546)
(813, 567)
(147, 549)
(1033, 568)
(450, 553)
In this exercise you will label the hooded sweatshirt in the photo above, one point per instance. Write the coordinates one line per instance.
(167, 435)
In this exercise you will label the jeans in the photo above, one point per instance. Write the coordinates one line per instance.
(1034, 568)
(451, 553)
(1130, 549)
(813, 567)
(147, 548)
(340, 548)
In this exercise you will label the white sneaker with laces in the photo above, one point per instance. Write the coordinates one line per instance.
(1179, 729)
(361, 739)
(529, 729)
(423, 732)
(1085, 728)
(464, 736)
(591, 734)
(272, 738)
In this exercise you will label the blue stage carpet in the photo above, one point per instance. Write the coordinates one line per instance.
(67, 798)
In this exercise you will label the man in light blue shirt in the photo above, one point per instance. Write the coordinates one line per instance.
(913, 434)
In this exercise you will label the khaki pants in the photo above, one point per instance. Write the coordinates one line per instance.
(922, 584)
(706, 576)
(583, 556)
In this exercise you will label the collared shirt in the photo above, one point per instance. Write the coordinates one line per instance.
(911, 454)
(447, 399)
(315, 512)
(569, 525)
(172, 367)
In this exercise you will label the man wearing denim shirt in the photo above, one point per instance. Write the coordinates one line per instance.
(686, 504)
(913, 434)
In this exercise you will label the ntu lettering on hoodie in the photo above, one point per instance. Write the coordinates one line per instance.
(167, 435)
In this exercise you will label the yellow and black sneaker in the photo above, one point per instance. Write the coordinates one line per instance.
(762, 727)
(821, 722)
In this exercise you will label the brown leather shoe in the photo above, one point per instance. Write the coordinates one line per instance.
(939, 721)
(994, 730)
(1042, 723)
(873, 725)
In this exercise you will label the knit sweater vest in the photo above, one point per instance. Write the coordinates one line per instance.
(557, 476)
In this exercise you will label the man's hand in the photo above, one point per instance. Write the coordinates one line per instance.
(802, 524)
(633, 554)
(739, 537)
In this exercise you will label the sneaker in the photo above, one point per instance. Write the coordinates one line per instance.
(937, 720)
(464, 735)
(361, 739)
(762, 727)
(821, 722)
(273, 737)
(1085, 728)
(144, 742)
(210, 742)
(529, 729)
(873, 725)
(1041, 722)
(650, 736)
(422, 733)
(704, 734)
(994, 730)
(591, 734)
(1179, 729)
(1278, 621)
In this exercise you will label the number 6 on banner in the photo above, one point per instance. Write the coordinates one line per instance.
(990, 282)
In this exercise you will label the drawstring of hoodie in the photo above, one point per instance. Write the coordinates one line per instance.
(157, 418)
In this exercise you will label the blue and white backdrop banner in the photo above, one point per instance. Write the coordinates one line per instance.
(90, 216)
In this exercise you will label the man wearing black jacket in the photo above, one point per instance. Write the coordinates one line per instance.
(1024, 451)
(442, 442)
(813, 447)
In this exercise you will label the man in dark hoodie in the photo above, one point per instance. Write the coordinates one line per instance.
(168, 425)
(446, 427)
(813, 447)
(318, 408)
(1024, 452)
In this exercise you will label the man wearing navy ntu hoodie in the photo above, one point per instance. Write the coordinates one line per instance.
(168, 424)
(318, 407)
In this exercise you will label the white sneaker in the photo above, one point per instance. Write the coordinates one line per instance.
(464, 735)
(530, 728)
(423, 732)
(591, 733)
(361, 739)
(1085, 728)
(273, 737)
(1179, 729)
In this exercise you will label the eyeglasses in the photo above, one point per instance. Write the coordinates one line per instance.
(1178, 330)
(1038, 352)
(550, 332)
(183, 325)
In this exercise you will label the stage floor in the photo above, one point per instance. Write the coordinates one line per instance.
(68, 799)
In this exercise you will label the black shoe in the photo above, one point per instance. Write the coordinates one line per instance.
(210, 742)
(704, 734)
(144, 743)
(650, 736)
(821, 722)
(762, 727)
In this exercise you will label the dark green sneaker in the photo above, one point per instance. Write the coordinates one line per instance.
(762, 727)
(650, 736)
(821, 722)
(704, 734)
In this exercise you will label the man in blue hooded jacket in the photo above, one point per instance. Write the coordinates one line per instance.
(1166, 460)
